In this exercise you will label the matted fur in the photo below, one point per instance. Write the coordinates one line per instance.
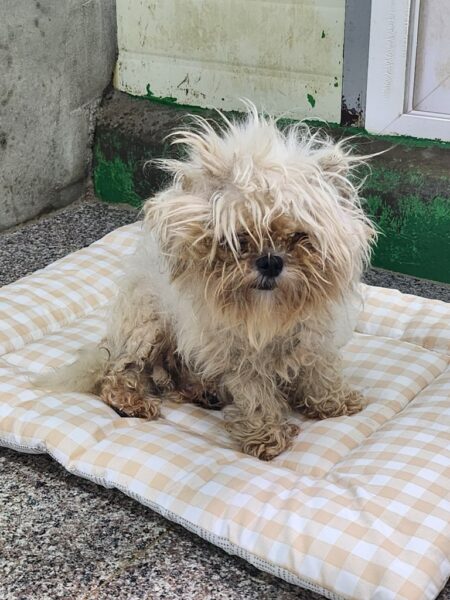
(194, 320)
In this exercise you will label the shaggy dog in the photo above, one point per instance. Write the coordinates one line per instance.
(242, 288)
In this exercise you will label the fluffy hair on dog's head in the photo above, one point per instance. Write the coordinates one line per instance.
(264, 223)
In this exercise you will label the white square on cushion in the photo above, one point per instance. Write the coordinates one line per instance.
(346, 583)
(354, 510)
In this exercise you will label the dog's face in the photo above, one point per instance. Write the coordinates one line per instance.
(265, 224)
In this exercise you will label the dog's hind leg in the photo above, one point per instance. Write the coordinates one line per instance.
(137, 339)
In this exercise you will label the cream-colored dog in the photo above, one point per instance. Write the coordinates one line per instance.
(242, 287)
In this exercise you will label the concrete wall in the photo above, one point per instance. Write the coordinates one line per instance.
(56, 58)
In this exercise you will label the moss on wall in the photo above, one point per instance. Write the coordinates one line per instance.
(414, 236)
(113, 179)
(122, 168)
(412, 212)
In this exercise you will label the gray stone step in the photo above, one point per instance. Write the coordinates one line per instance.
(407, 189)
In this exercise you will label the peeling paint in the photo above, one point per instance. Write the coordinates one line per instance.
(311, 100)
(351, 116)
(168, 101)
(163, 100)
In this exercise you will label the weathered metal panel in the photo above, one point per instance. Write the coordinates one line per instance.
(285, 55)
(356, 57)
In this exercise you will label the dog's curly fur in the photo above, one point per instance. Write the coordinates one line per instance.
(195, 320)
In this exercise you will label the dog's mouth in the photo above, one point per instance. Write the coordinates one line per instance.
(265, 284)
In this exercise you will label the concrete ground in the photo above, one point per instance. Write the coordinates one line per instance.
(64, 537)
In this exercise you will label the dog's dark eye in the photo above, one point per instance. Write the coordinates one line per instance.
(244, 242)
(298, 236)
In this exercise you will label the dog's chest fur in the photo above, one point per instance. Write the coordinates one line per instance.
(211, 351)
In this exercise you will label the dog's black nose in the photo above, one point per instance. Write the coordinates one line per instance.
(269, 265)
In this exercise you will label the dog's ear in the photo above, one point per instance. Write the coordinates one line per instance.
(341, 169)
(205, 149)
(179, 222)
(176, 218)
(336, 159)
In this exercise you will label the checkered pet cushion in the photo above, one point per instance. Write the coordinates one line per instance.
(360, 506)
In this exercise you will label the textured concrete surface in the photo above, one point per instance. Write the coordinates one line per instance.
(128, 135)
(64, 537)
(31, 247)
(56, 58)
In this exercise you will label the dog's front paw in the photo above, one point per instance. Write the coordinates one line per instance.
(347, 402)
(271, 442)
(353, 403)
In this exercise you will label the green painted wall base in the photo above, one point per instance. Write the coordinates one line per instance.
(407, 189)
(414, 222)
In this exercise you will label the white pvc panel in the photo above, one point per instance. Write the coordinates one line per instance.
(285, 55)
(432, 74)
(408, 78)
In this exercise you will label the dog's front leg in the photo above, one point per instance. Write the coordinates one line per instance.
(257, 418)
(321, 390)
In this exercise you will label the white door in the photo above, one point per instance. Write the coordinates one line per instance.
(408, 84)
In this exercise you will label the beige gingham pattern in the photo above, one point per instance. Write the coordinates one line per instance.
(359, 508)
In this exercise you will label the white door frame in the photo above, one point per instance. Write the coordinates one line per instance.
(390, 79)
